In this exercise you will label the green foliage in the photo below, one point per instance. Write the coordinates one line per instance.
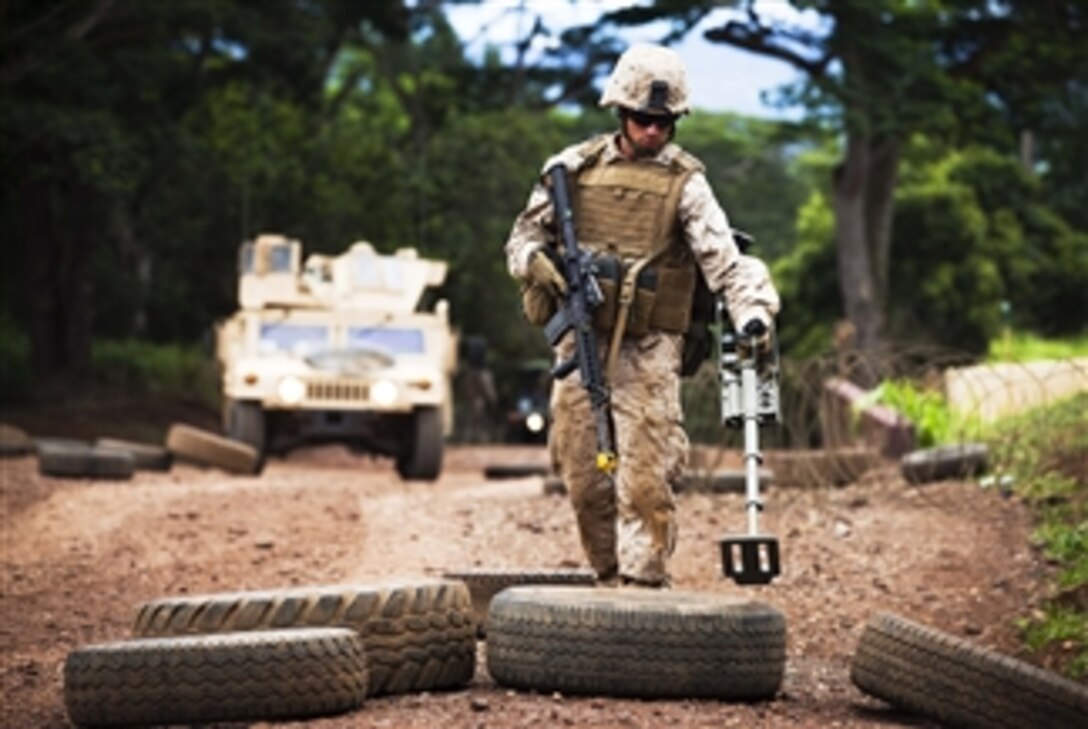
(1045, 451)
(807, 280)
(169, 132)
(934, 422)
(944, 289)
(1026, 347)
(1044, 440)
(173, 370)
(479, 176)
(749, 164)
(16, 374)
(976, 249)
(1060, 626)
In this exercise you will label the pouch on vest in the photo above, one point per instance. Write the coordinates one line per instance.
(607, 270)
(672, 310)
(642, 306)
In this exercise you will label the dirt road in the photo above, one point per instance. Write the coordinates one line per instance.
(78, 556)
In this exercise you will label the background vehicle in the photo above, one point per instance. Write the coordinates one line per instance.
(526, 397)
(342, 348)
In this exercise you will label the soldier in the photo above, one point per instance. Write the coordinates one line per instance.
(644, 208)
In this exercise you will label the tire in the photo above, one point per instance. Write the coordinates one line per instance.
(14, 441)
(266, 675)
(495, 471)
(721, 481)
(554, 486)
(418, 636)
(484, 584)
(421, 459)
(81, 460)
(947, 462)
(212, 450)
(633, 642)
(146, 457)
(958, 684)
(246, 423)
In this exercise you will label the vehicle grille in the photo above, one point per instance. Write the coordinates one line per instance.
(336, 390)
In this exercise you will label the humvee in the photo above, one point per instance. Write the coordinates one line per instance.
(350, 348)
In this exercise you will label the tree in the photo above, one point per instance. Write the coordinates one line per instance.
(879, 70)
(976, 247)
(96, 101)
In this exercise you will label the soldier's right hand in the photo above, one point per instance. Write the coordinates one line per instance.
(543, 272)
(757, 334)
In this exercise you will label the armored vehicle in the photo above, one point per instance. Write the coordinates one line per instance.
(351, 348)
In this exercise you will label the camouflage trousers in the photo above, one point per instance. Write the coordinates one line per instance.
(626, 521)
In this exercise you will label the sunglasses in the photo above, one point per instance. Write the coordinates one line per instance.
(661, 121)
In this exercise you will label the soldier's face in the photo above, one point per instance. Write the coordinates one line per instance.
(647, 133)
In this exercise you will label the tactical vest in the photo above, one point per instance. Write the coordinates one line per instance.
(626, 214)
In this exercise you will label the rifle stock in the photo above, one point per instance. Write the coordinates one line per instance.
(575, 315)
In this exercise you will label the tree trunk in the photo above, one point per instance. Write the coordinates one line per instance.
(59, 234)
(38, 239)
(864, 187)
(879, 212)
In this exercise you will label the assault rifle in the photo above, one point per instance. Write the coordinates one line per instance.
(575, 315)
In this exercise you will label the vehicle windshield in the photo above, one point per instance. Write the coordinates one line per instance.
(299, 340)
(395, 340)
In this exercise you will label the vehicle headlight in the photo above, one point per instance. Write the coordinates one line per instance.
(535, 422)
(291, 390)
(383, 392)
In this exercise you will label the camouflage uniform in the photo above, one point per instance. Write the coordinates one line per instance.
(627, 520)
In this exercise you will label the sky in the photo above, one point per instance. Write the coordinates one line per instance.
(721, 77)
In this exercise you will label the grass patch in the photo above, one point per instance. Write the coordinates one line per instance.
(934, 421)
(1046, 452)
(1023, 347)
(172, 370)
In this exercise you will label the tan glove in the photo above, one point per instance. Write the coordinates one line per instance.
(543, 272)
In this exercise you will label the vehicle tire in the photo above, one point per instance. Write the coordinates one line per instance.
(421, 459)
(268, 675)
(635, 642)
(246, 424)
(147, 457)
(484, 584)
(955, 683)
(946, 462)
(212, 450)
(495, 471)
(76, 460)
(418, 636)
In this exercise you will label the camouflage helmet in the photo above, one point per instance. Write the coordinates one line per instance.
(648, 78)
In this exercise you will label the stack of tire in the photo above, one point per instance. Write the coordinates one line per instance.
(111, 458)
(273, 655)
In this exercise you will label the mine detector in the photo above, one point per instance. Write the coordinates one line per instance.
(353, 348)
